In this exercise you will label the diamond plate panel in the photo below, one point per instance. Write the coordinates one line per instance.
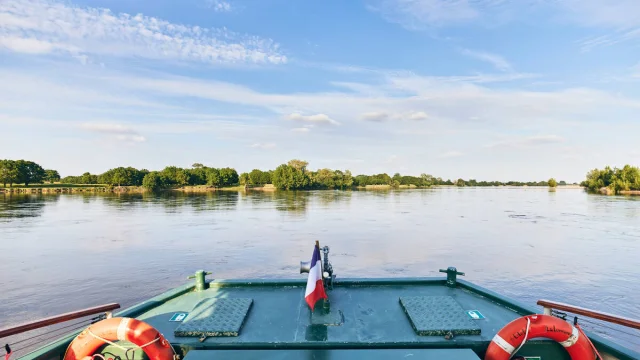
(437, 316)
(215, 317)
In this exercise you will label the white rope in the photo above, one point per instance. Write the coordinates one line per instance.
(125, 349)
(526, 335)
(120, 346)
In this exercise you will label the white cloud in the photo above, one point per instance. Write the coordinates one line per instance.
(264, 146)
(219, 5)
(375, 116)
(416, 14)
(522, 142)
(115, 131)
(620, 17)
(379, 116)
(621, 14)
(48, 26)
(450, 154)
(320, 119)
(417, 116)
(497, 61)
(301, 130)
(29, 45)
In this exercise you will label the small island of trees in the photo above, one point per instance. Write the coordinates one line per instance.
(613, 181)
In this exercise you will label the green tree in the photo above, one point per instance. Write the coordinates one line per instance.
(29, 172)
(288, 177)
(197, 166)
(259, 177)
(627, 178)
(244, 179)
(51, 176)
(8, 172)
(213, 177)
(427, 180)
(87, 178)
(183, 177)
(170, 174)
(154, 181)
(300, 165)
(198, 176)
(347, 180)
(119, 177)
(228, 177)
(460, 183)
(552, 183)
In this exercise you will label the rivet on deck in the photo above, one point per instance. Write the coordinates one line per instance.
(452, 274)
(201, 283)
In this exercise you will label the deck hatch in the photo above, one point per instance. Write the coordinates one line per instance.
(215, 317)
(437, 316)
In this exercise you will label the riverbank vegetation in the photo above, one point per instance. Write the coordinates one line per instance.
(24, 172)
(613, 181)
(293, 175)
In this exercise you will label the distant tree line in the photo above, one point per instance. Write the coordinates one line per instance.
(293, 175)
(616, 180)
(169, 177)
(25, 172)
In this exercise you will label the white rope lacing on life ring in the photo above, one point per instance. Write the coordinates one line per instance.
(526, 335)
(126, 349)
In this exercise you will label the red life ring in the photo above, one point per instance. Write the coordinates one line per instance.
(507, 340)
(106, 331)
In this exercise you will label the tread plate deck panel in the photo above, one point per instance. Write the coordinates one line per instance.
(215, 317)
(372, 316)
(438, 316)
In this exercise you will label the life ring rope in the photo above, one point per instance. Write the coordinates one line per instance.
(108, 331)
(526, 336)
(123, 348)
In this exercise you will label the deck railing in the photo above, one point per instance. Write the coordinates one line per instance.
(549, 306)
(52, 320)
(30, 342)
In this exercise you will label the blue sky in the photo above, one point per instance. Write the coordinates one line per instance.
(485, 89)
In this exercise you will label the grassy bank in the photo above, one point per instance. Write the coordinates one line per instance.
(70, 188)
(101, 188)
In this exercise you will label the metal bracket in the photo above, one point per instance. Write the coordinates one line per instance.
(201, 283)
(452, 273)
(327, 276)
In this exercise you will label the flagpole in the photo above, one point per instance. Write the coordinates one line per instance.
(321, 269)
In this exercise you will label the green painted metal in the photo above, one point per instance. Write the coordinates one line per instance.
(452, 275)
(56, 349)
(438, 316)
(421, 354)
(201, 283)
(215, 317)
(372, 318)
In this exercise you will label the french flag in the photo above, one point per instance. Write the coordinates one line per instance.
(315, 287)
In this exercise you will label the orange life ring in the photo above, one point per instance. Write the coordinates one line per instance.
(138, 332)
(507, 340)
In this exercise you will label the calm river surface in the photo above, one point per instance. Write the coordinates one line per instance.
(65, 252)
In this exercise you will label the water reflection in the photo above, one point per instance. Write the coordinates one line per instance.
(292, 202)
(24, 205)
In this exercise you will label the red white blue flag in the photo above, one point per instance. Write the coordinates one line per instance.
(315, 287)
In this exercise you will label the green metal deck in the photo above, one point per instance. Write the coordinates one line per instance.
(365, 314)
(371, 315)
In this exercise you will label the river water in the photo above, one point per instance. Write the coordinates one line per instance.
(65, 252)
